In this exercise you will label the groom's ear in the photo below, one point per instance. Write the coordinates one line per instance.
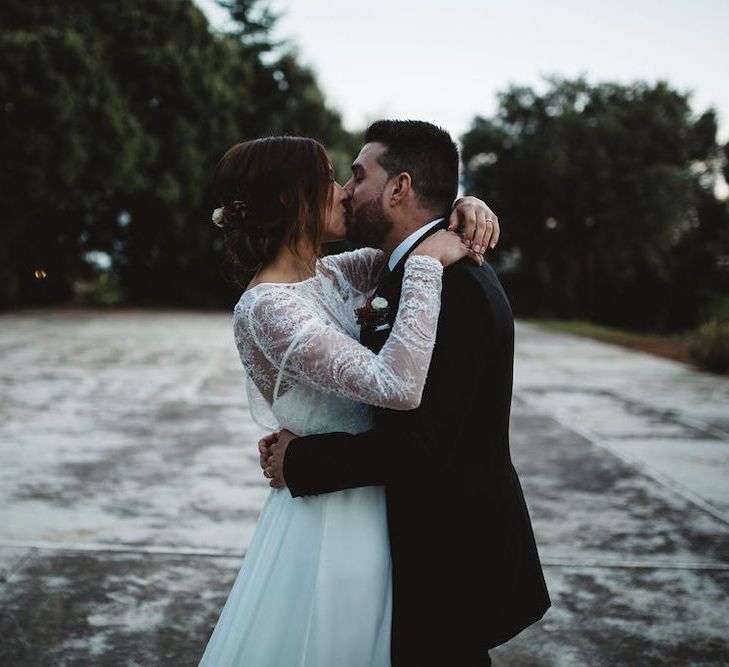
(401, 188)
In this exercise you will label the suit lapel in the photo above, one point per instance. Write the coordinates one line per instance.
(389, 288)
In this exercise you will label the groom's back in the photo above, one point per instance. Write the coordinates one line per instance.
(475, 351)
(460, 532)
(467, 396)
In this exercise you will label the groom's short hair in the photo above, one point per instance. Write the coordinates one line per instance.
(423, 150)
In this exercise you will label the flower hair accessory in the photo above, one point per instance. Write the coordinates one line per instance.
(227, 214)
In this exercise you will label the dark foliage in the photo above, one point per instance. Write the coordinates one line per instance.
(112, 117)
(606, 196)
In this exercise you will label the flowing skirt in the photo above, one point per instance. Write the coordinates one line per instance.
(315, 587)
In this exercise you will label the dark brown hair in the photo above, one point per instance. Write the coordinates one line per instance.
(281, 188)
(426, 152)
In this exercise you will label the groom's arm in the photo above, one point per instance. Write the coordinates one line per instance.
(404, 444)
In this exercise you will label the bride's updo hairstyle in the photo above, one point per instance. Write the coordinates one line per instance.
(273, 190)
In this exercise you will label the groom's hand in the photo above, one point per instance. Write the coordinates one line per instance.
(476, 222)
(274, 463)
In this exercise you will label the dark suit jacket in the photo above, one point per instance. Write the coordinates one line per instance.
(466, 573)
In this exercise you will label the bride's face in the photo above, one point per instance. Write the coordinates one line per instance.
(336, 215)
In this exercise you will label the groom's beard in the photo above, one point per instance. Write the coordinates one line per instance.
(368, 226)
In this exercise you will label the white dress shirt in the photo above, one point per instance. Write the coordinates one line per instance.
(409, 242)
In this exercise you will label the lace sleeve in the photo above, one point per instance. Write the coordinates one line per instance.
(289, 333)
(360, 269)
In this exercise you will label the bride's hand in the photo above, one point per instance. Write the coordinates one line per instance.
(447, 247)
(478, 224)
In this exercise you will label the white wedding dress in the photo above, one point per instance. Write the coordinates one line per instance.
(314, 589)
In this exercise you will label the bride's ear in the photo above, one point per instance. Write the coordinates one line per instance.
(402, 186)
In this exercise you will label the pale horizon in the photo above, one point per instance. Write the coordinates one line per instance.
(445, 62)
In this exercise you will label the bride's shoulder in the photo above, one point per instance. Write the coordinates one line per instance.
(264, 301)
(264, 293)
(353, 270)
(350, 257)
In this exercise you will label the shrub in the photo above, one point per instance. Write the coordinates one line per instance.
(709, 347)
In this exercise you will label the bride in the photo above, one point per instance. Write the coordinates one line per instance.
(317, 566)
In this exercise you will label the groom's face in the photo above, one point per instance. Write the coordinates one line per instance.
(367, 222)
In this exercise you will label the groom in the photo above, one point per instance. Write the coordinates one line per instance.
(466, 573)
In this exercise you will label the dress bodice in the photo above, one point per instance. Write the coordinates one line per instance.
(299, 344)
(306, 410)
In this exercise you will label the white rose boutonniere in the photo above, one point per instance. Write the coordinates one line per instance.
(374, 312)
(218, 217)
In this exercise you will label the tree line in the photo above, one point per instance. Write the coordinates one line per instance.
(607, 194)
(113, 115)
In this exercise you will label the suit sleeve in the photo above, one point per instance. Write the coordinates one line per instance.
(409, 443)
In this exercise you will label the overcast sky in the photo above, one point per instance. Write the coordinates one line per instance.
(445, 60)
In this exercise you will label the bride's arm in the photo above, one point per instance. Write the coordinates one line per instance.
(295, 337)
(476, 222)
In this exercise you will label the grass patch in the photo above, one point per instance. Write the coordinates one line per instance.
(709, 347)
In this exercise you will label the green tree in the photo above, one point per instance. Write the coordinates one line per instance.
(601, 189)
(68, 141)
(114, 117)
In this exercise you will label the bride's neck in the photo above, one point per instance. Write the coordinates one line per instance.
(291, 266)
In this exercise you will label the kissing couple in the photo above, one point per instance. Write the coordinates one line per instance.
(396, 531)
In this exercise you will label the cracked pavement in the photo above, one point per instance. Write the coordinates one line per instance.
(130, 487)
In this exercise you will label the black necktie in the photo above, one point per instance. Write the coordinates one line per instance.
(384, 277)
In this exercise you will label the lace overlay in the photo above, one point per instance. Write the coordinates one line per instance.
(304, 335)
(308, 373)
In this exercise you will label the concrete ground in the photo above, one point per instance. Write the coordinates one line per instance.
(129, 489)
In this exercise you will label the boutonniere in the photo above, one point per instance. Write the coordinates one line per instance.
(374, 312)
